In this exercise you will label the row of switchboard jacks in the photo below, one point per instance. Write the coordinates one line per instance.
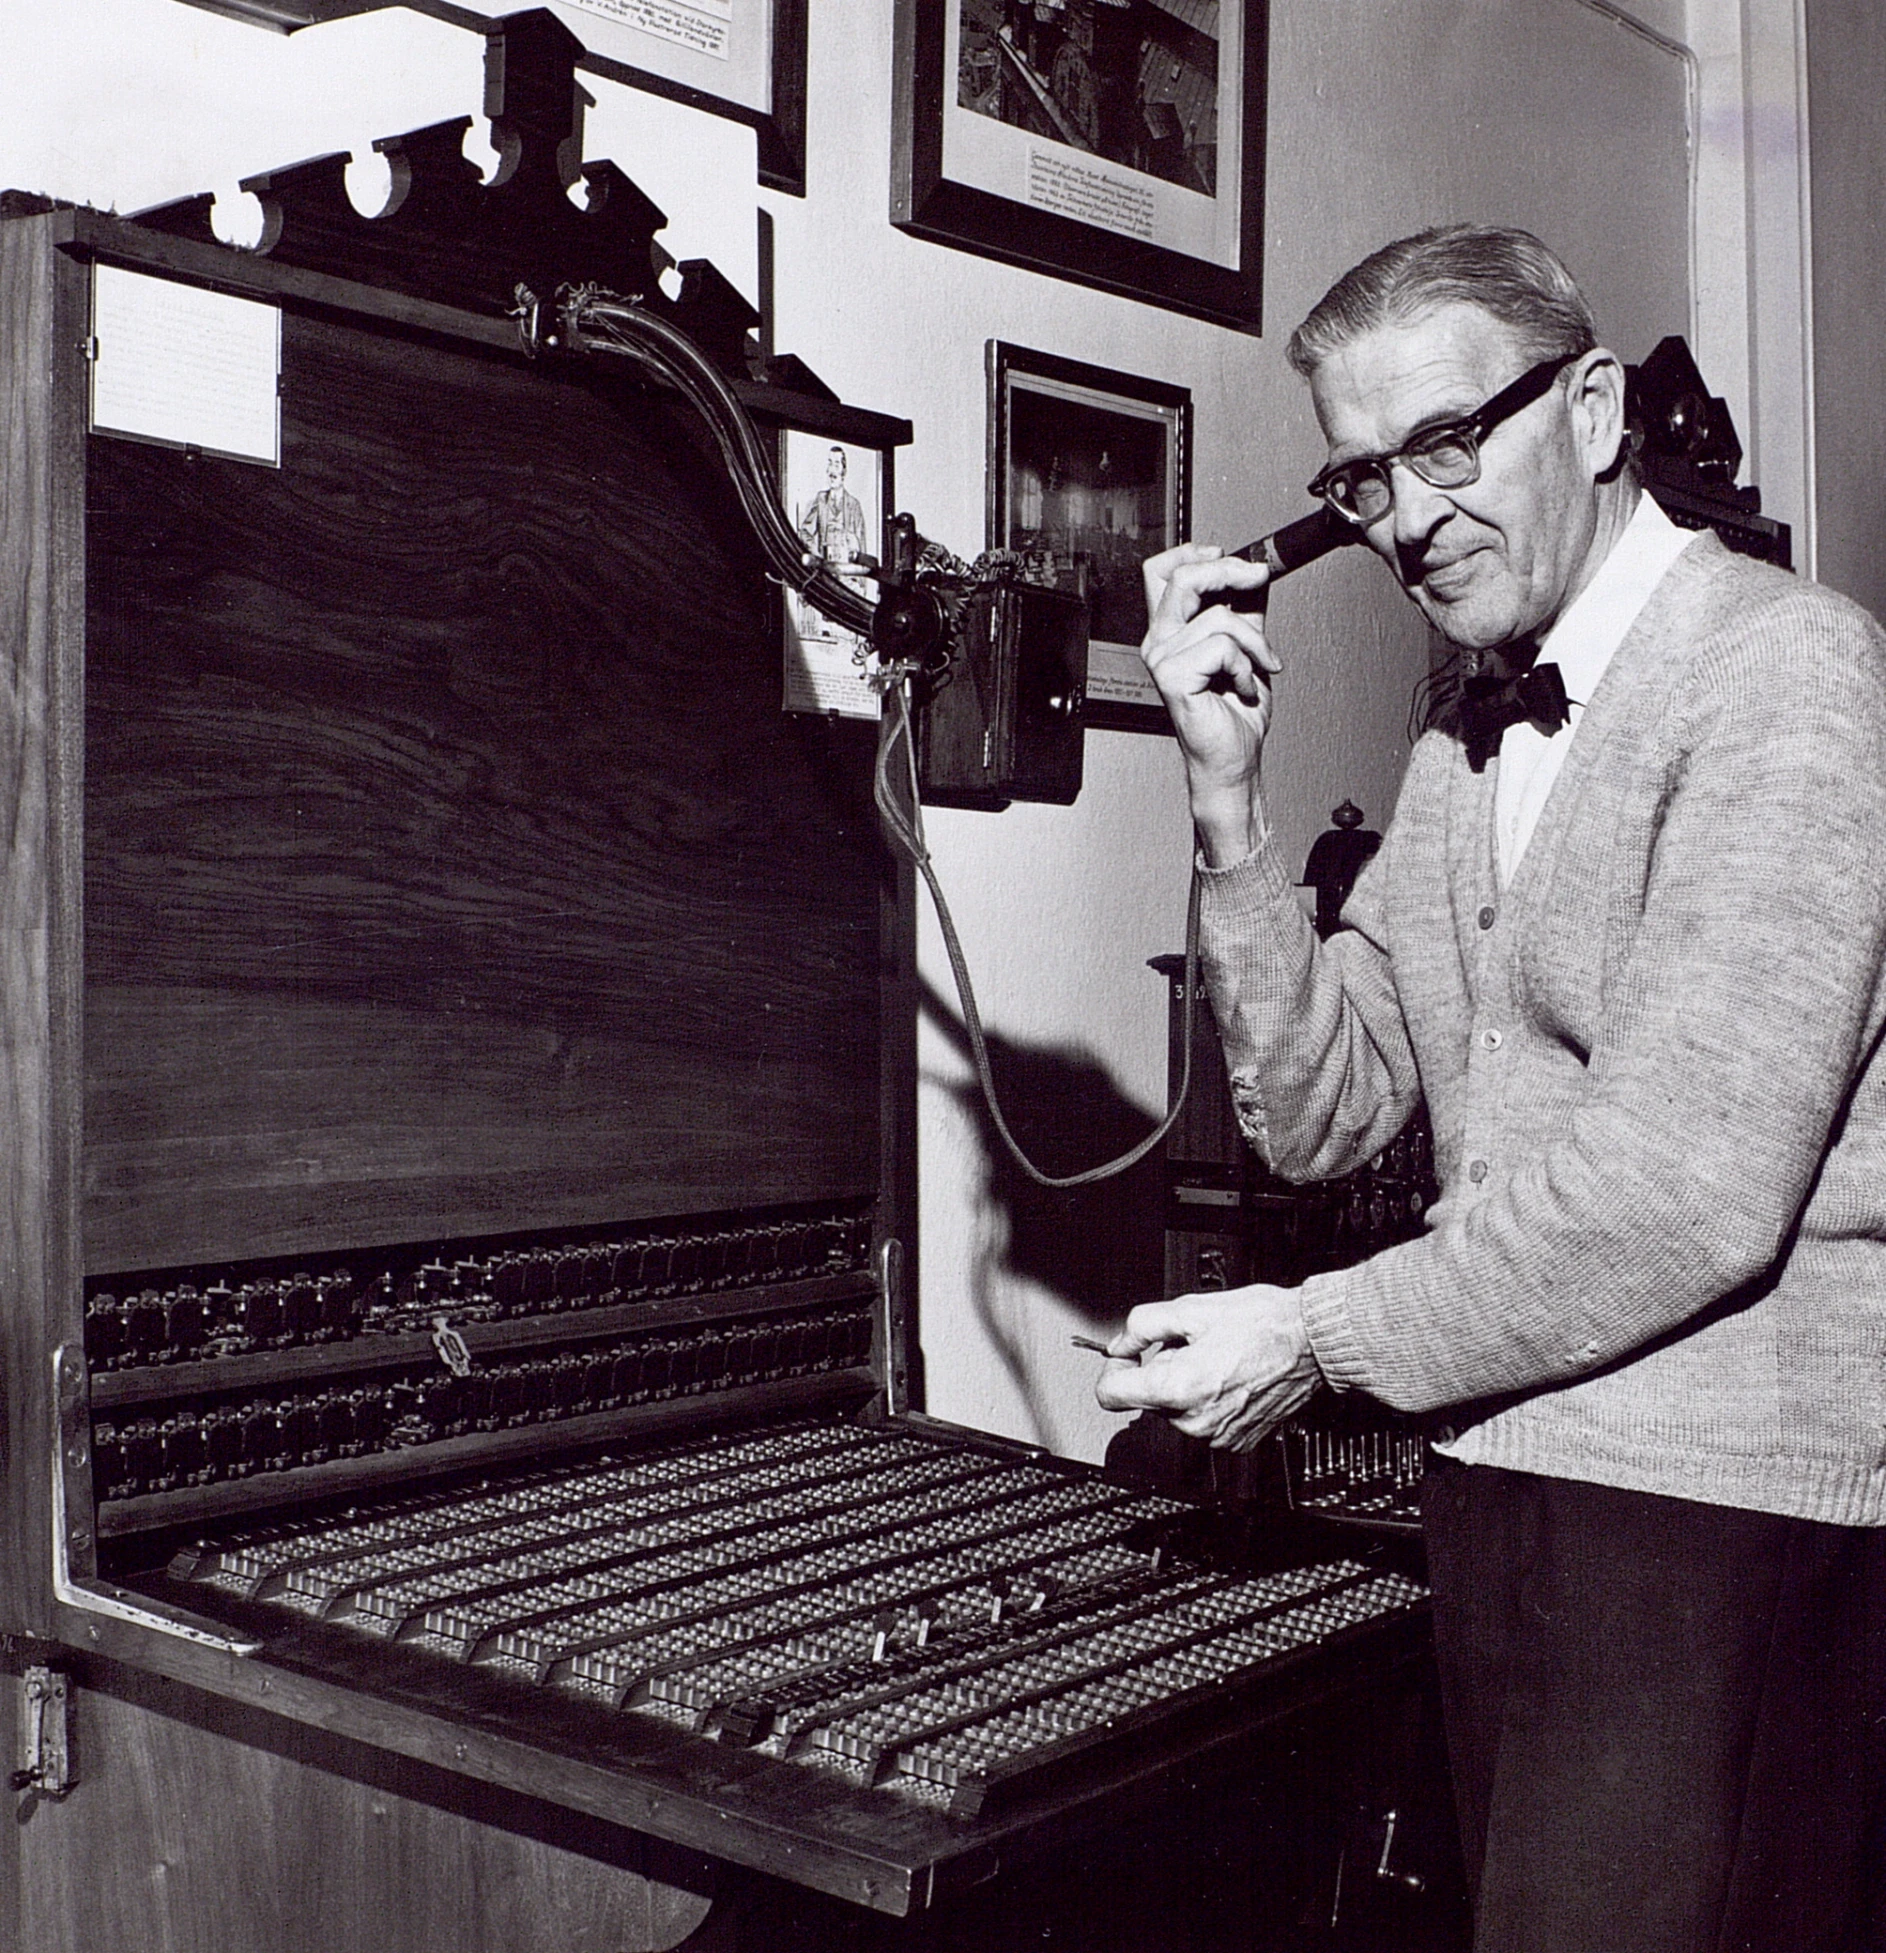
(162, 1451)
(187, 1323)
(541, 1280)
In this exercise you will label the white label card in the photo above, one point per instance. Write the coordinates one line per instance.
(704, 26)
(187, 367)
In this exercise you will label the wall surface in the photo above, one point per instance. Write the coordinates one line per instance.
(1383, 118)
(1384, 115)
(1846, 58)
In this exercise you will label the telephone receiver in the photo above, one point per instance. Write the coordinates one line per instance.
(1291, 547)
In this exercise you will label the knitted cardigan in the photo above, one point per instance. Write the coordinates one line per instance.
(1652, 1062)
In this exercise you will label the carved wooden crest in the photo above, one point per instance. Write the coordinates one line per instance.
(446, 234)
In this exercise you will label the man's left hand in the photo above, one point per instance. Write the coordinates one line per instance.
(1227, 1367)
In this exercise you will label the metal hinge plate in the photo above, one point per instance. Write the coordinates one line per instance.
(45, 1733)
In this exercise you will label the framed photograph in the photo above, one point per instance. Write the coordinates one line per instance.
(1094, 468)
(739, 58)
(835, 495)
(1119, 143)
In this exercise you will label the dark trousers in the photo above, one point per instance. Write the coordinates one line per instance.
(1666, 1721)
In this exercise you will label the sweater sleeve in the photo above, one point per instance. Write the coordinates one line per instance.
(1736, 1023)
(1322, 1072)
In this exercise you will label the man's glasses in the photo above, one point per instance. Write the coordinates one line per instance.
(1447, 456)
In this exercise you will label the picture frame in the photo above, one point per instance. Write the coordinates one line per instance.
(743, 59)
(1094, 467)
(837, 494)
(1116, 143)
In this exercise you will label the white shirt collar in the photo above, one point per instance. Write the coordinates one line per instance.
(1581, 644)
(1594, 623)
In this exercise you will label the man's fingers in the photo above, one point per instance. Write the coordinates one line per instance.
(1152, 1325)
(1141, 1379)
(1219, 621)
(1218, 647)
(1226, 1366)
(1247, 632)
(1192, 586)
(1179, 581)
(1157, 571)
(1228, 1415)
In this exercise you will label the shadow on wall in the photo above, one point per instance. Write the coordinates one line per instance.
(1100, 1247)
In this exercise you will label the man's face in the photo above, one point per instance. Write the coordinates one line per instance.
(1500, 558)
(835, 469)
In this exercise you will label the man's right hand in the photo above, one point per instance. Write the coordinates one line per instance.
(1213, 669)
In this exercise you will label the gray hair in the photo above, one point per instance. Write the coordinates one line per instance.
(1505, 272)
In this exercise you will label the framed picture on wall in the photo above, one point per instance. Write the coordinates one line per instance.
(1118, 143)
(835, 494)
(740, 58)
(1092, 467)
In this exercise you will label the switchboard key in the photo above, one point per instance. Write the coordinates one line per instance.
(260, 1304)
(144, 1324)
(625, 1271)
(301, 1309)
(105, 1339)
(185, 1450)
(507, 1284)
(186, 1320)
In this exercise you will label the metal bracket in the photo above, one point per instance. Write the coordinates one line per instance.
(896, 1328)
(45, 1739)
(75, 1581)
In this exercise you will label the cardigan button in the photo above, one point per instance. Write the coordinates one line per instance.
(1492, 1040)
(1486, 915)
(1476, 1171)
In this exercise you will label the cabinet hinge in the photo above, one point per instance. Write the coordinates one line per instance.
(45, 1733)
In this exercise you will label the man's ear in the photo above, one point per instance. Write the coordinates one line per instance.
(1596, 395)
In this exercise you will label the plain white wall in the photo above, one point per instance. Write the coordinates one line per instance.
(1384, 115)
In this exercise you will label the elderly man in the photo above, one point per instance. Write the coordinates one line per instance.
(1627, 934)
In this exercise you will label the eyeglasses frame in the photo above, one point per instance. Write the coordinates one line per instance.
(1533, 384)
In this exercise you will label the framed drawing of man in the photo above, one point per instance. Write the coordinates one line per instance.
(834, 494)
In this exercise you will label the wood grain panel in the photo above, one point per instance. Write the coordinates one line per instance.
(450, 865)
(288, 1843)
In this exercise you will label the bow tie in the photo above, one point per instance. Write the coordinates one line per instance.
(1492, 698)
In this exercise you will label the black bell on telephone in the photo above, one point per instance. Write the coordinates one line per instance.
(1337, 857)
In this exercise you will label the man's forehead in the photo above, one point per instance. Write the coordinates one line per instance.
(1375, 390)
